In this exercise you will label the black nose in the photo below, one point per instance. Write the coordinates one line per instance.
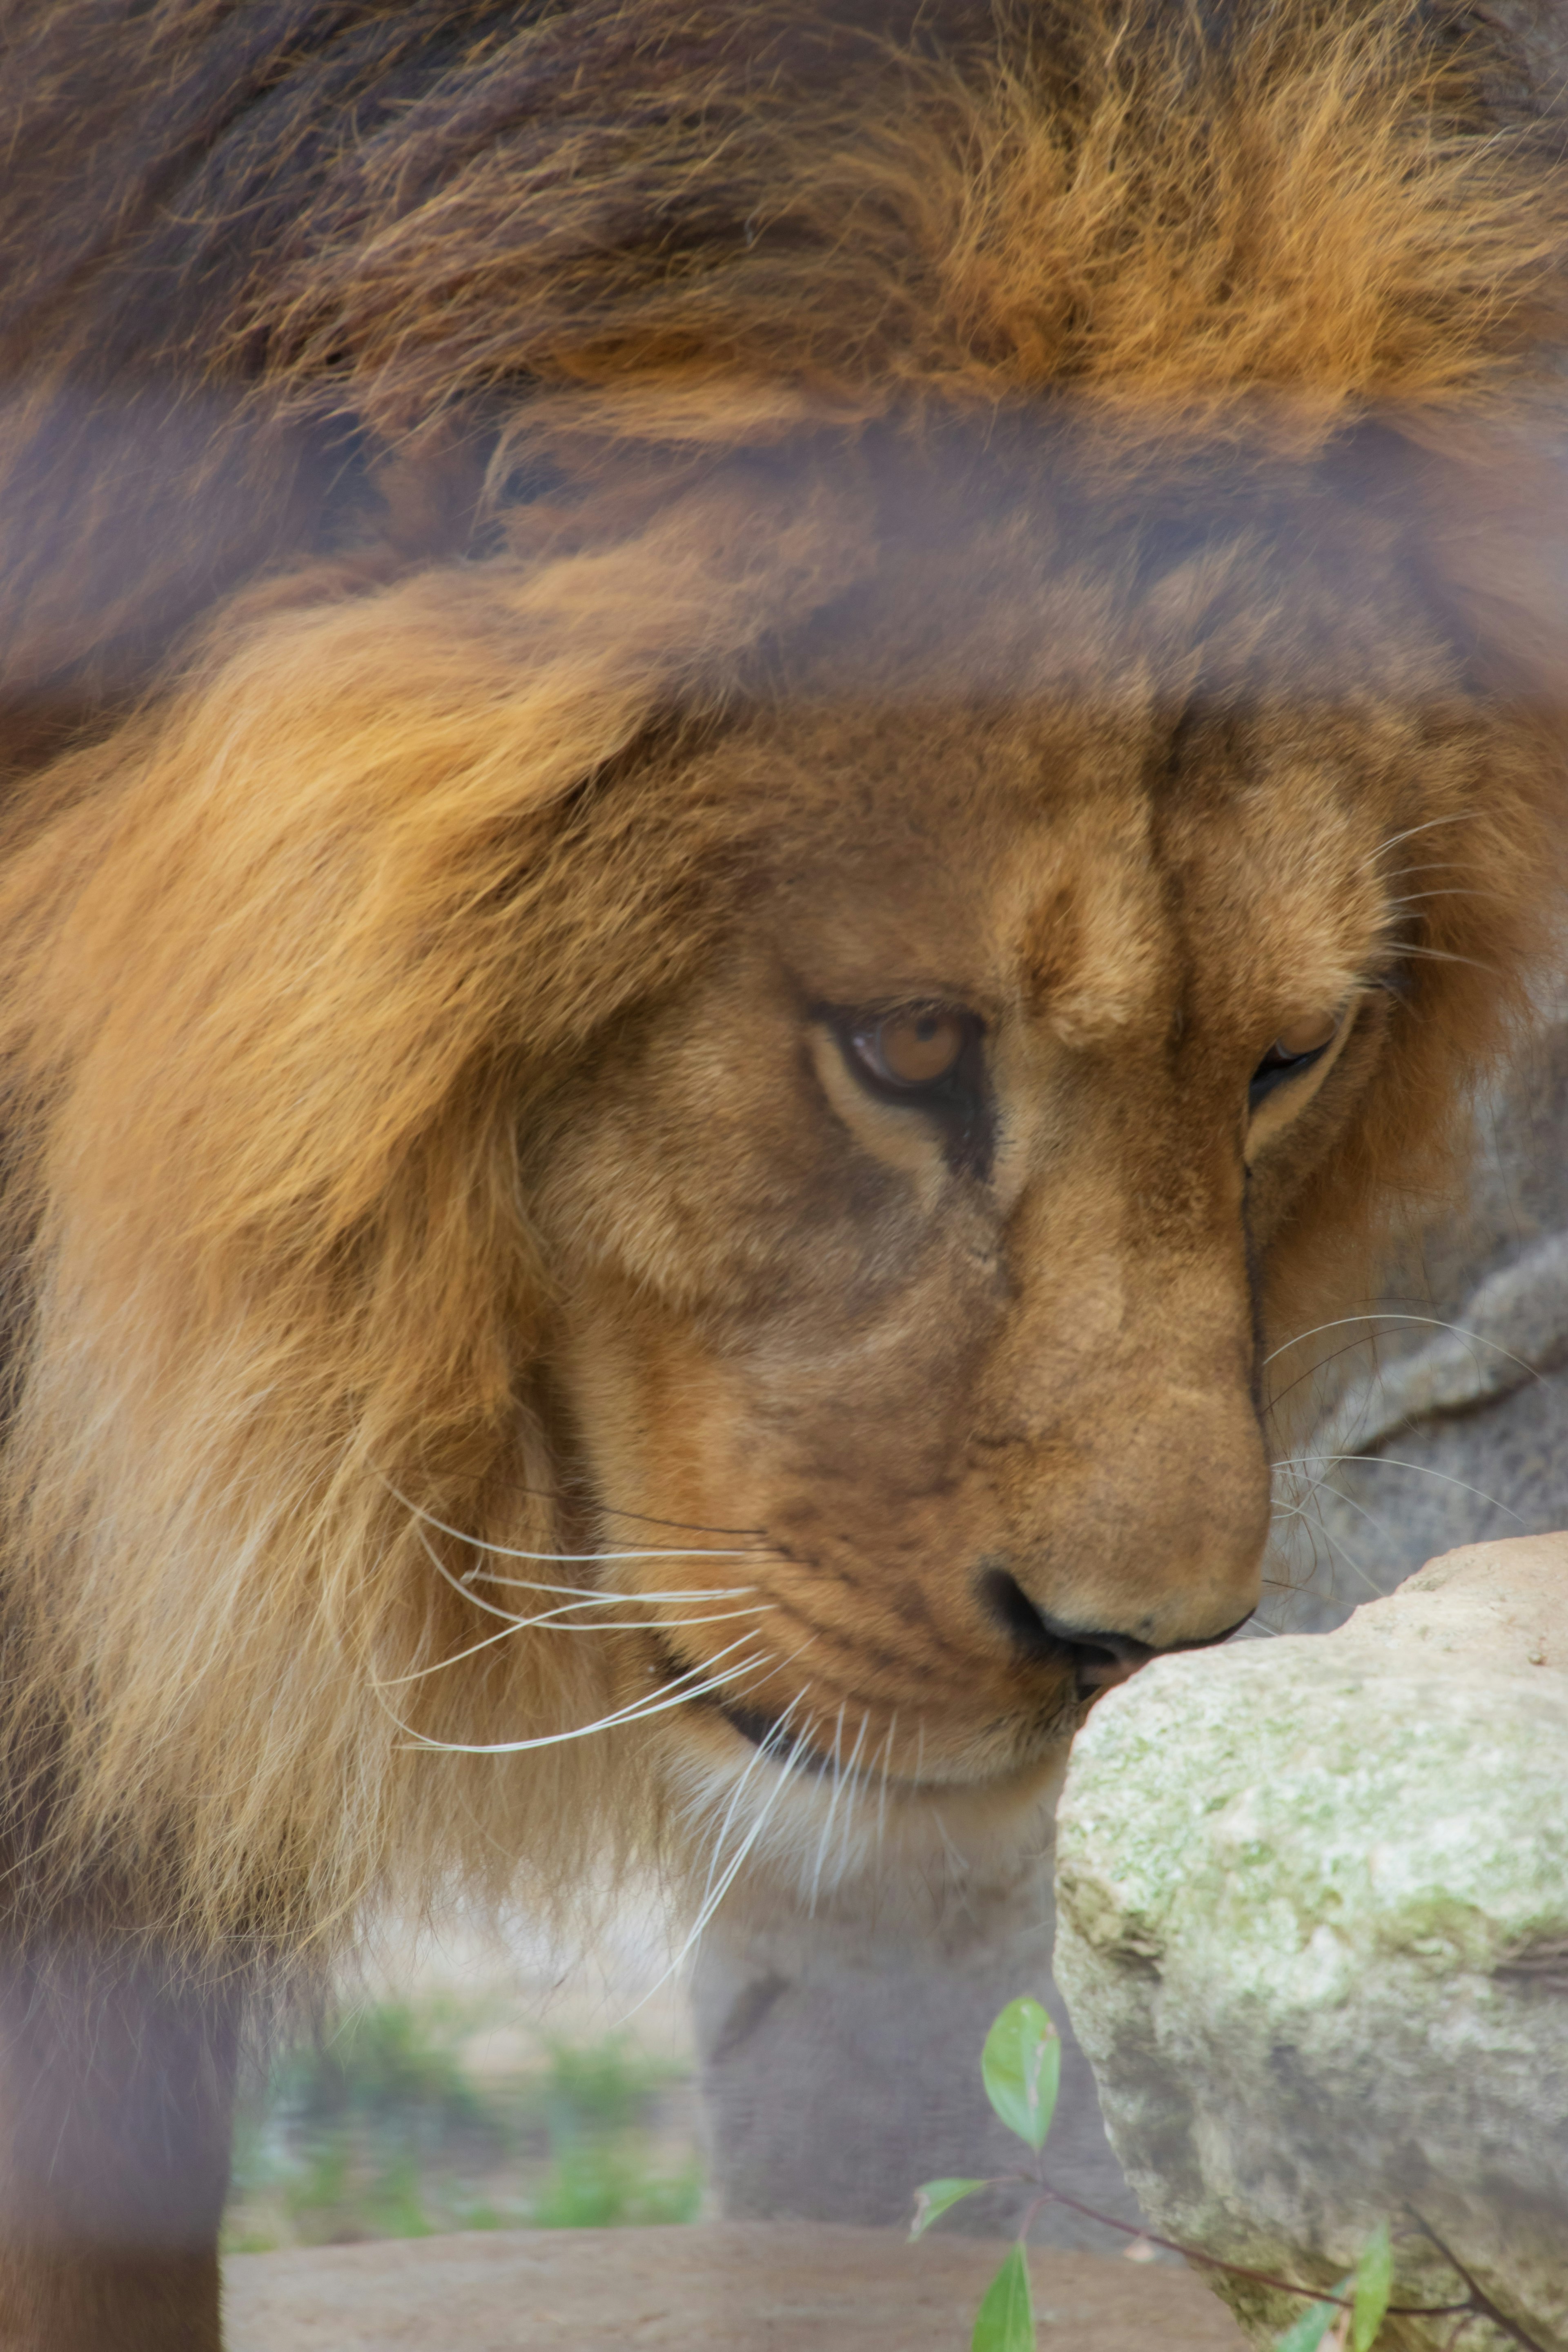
(1097, 1658)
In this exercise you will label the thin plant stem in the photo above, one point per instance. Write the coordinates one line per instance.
(1476, 2306)
(1481, 2305)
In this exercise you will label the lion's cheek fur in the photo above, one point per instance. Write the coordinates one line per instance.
(891, 1395)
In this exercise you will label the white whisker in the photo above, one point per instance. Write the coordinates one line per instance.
(1436, 1322)
(1420, 897)
(637, 1712)
(639, 1624)
(1393, 1462)
(472, 1576)
(544, 1624)
(712, 1902)
(832, 1805)
(460, 1584)
(477, 1599)
(1464, 817)
(855, 1777)
(849, 1790)
(1384, 1535)
(759, 1757)
(960, 1867)
(575, 1599)
(1441, 955)
(510, 1551)
(1338, 1549)
(882, 1793)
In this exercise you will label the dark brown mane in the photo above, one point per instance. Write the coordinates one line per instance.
(280, 282)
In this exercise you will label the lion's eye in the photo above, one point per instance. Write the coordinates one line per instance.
(913, 1049)
(929, 1058)
(1297, 1046)
(1299, 1040)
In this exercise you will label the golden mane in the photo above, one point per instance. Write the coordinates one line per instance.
(280, 1295)
(322, 903)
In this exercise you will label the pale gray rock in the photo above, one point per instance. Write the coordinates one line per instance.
(1313, 1935)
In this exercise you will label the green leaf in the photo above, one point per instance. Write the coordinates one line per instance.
(932, 2201)
(1374, 2285)
(1021, 2066)
(1006, 2319)
(1305, 2334)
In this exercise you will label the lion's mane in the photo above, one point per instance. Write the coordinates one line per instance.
(409, 415)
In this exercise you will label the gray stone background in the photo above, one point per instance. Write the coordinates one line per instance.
(839, 2060)
(1451, 1413)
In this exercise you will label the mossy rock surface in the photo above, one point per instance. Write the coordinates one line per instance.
(1313, 1934)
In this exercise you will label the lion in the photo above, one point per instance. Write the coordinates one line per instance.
(768, 766)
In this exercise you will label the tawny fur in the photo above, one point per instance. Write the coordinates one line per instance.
(524, 388)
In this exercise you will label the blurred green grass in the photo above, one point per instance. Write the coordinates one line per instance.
(382, 2128)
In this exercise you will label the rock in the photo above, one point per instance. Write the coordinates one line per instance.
(1313, 1935)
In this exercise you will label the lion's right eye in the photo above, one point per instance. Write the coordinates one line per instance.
(1299, 1044)
(927, 1057)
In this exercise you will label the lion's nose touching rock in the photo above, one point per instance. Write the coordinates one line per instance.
(1313, 1934)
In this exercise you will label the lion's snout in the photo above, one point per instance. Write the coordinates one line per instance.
(1115, 1553)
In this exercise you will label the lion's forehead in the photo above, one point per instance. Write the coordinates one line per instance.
(1104, 878)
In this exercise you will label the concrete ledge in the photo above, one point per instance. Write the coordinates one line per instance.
(711, 2287)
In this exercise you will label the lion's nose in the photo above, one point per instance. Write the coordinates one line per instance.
(1098, 1657)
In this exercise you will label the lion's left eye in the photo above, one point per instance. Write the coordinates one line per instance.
(1296, 1048)
(916, 1050)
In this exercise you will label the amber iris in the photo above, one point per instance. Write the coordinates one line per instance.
(912, 1048)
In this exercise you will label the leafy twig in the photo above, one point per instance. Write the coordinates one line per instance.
(1045, 2193)
(1236, 2269)
(1021, 2068)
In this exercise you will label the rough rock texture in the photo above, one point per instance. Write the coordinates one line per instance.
(1314, 1936)
(710, 2288)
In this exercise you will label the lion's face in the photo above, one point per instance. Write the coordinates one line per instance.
(797, 1066)
(918, 1252)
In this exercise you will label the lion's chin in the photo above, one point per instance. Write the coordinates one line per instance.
(775, 1827)
(975, 1774)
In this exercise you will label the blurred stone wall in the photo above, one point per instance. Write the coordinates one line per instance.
(1444, 1420)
